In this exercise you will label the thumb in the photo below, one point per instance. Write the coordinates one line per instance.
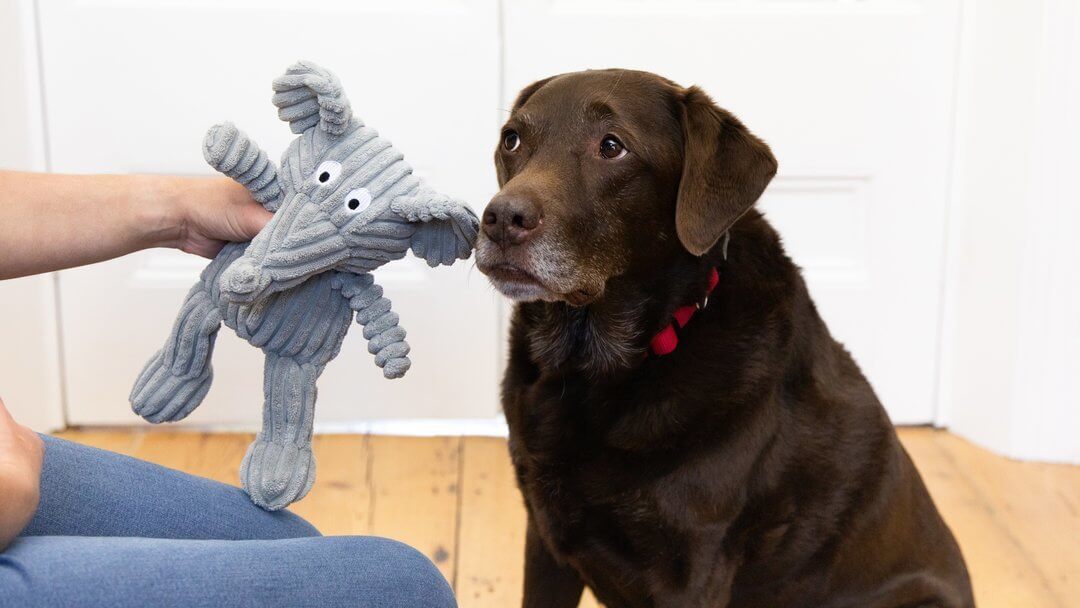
(250, 219)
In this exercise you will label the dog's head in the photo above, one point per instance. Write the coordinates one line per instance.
(608, 172)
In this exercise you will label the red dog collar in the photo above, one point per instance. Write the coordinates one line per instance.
(665, 342)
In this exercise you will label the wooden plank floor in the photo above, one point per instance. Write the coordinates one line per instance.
(454, 499)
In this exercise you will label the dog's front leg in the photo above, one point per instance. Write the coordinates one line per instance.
(548, 584)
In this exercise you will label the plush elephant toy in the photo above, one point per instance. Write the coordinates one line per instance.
(344, 202)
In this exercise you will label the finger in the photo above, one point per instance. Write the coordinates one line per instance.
(250, 219)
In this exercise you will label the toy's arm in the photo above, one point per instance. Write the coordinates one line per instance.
(386, 339)
(232, 152)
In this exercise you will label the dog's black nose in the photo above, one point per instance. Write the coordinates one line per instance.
(511, 220)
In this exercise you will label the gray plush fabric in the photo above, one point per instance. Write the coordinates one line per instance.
(345, 203)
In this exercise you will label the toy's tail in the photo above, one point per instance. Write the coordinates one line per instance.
(177, 378)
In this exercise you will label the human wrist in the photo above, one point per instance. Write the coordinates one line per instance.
(158, 209)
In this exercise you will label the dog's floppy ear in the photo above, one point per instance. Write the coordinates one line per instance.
(725, 170)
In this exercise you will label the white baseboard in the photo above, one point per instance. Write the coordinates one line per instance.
(421, 427)
(411, 427)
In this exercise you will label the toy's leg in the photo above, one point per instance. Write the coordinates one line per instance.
(177, 378)
(386, 339)
(279, 467)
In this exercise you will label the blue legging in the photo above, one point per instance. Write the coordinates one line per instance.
(116, 531)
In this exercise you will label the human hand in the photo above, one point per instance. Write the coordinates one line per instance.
(21, 453)
(39, 232)
(210, 212)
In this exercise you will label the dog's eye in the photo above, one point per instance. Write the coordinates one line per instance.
(327, 172)
(357, 200)
(511, 141)
(611, 147)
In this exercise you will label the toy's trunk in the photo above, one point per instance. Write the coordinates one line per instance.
(299, 241)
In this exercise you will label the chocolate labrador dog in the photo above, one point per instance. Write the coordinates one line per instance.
(684, 429)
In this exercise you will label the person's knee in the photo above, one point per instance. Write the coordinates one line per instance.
(290, 525)
(419, 576)
(405, 577)
(13, 581)
(57, 449)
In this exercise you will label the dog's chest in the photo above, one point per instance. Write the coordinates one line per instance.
(594, 505)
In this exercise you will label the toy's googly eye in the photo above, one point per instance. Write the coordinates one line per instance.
(357, 200)
(327, 172)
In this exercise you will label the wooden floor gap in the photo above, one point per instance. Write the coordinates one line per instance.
(458, 514)
(369, 475)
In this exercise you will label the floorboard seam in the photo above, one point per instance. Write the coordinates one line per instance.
(369, 475)
(458, 510)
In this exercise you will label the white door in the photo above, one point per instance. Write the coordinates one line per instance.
(132, 87)
(855, 98)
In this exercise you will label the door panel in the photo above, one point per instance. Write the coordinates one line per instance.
(855, 99)
(133, 86)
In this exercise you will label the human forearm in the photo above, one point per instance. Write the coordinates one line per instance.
(49, 222)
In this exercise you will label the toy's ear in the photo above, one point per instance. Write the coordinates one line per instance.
(447, 227)
(308, 95)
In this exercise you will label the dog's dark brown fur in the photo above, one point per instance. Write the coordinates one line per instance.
(753, 466)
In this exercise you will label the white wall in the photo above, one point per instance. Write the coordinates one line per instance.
(29, 360)
(1010, 334)
(425, 73)
(1011, 340)
(862, 139)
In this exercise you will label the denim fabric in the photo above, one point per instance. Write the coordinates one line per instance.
(116, 531)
